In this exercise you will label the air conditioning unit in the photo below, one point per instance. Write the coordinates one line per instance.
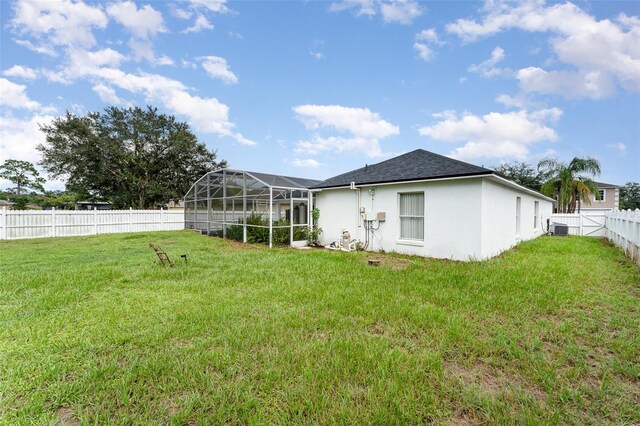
(559, 229)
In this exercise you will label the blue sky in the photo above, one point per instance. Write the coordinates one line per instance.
(315, 89)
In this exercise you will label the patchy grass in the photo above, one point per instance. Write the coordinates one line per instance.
(93, 331)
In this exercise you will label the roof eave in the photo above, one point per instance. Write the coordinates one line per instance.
(399, 181)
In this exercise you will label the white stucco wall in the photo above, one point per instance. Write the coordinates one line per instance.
(499, 217)
(452, 217)
(465, 219)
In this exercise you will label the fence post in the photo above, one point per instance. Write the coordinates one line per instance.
(3, 222)
(53, 222)
(130, 219)
(95, 220)
(161, 219)
(580, 220)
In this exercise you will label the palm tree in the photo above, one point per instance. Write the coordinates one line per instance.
(570, 183)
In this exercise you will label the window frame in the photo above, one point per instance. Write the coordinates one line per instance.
(401, 216)
(536, 214)
(604, 195)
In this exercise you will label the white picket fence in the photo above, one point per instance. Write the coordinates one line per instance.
(19, 224)
(623, 229)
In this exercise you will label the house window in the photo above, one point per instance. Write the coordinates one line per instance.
(412, 216)
(518, 203)
(536, 214)
(601, 193)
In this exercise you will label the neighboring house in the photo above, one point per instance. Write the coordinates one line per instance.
(6, 204)
(93, 205)
(425, 204)
(608, 199)
(175, 205)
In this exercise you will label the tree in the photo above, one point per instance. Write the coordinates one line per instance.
(23, 174)
(522, 173)
(131, 157)
(570, 183)
(630, 196)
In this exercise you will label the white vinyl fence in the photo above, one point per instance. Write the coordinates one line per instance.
(18, 224)
(623, 229)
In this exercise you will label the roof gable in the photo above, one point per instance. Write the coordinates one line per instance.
(414, 165)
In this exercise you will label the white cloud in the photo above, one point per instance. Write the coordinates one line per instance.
(317, 55)
(488, 68)
(572, 85)
(18, 141)
(509, 101)
(318, 145)
(620, 147)
(494, 135)
(307, 163)
(217, 6)
(362, 7)
(361, 122)
(424, 40)
(42, 49)
(601, 51)
(395, 11)
(107, 94)
(143, 50)
(430, 35)
(19, 138)
(14, 96)
(62, 22)
(180, 13)
(364, 128)
(424, 51)
(400, 11)
(19, 71)
(218, 68)
(142, 23)
(201, 23)
(207, 115)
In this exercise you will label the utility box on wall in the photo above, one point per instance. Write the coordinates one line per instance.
(381, 216)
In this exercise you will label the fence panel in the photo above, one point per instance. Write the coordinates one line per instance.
(623, 229)
(19, 224)
(586, 224)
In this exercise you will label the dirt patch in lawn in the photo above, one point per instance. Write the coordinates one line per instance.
(491, 381)
(386, 261)
(66, 417)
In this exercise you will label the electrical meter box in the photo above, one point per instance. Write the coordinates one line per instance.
(381, 216)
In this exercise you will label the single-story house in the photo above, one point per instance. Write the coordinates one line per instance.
(608, 199)
(93, 205)
(425, 204)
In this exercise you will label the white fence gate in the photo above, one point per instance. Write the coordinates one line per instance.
(18, 224)
(586, 224)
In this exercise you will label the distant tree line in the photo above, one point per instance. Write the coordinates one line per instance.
(570, 183)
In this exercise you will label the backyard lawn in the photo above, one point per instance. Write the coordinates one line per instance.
(92, 330)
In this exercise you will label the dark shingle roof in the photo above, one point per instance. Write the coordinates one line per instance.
(285, 181)
(606, 185)
(414, 165)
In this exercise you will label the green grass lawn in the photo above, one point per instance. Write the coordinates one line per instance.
(92, 330)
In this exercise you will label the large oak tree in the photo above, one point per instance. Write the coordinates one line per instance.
(131, 157)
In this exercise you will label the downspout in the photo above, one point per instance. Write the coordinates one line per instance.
(357, 190)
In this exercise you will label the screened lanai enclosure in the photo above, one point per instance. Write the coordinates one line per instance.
(250, 207)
